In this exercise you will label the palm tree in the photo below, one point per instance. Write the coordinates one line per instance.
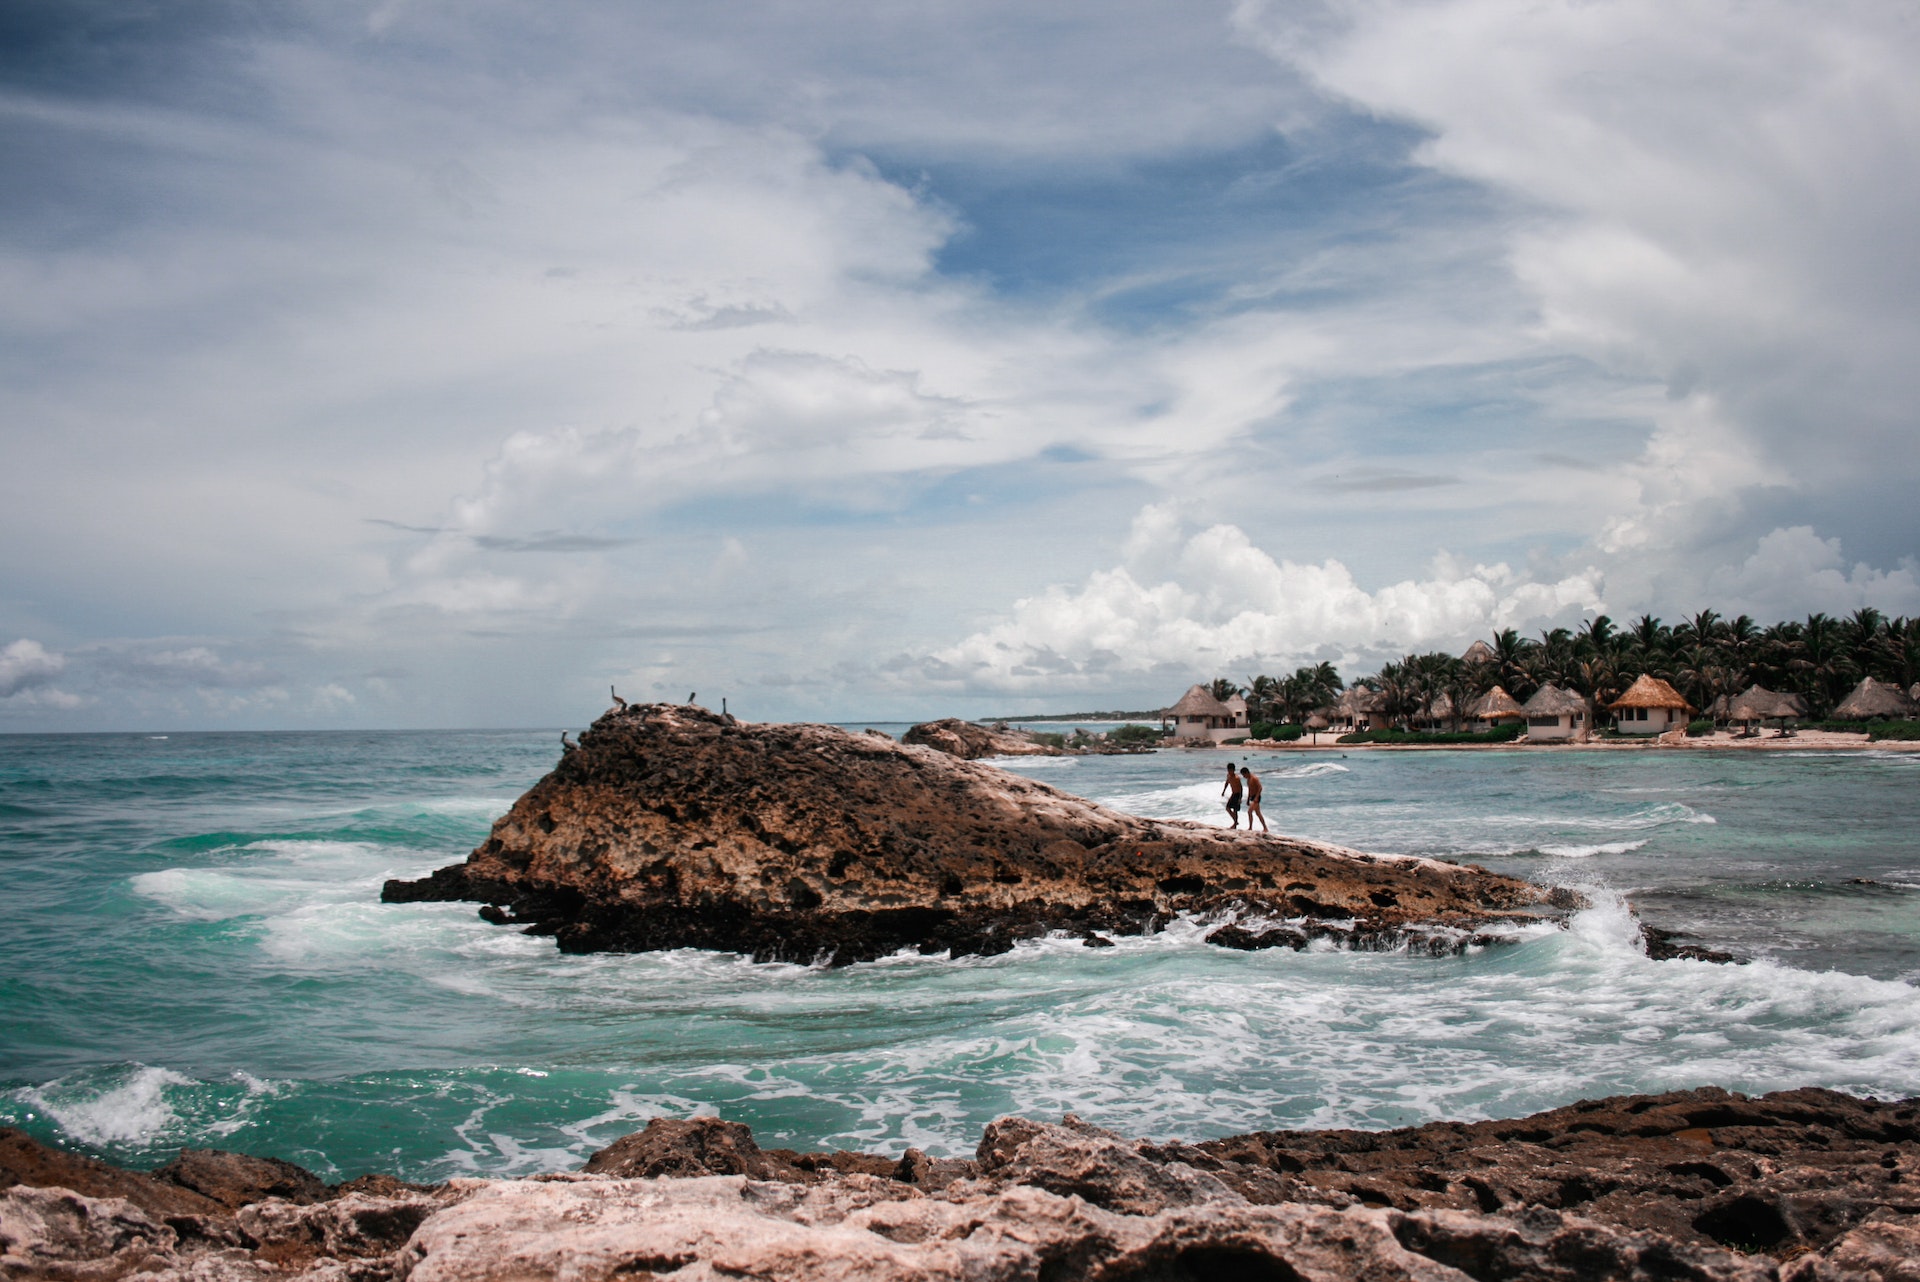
(1261, 693)
(1509, 660)
(1223, 688)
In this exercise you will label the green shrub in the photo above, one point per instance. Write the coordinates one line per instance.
(1228, 743)
(1699, 727)
(1282, 732)
(1904, 731)
(1134, 736)
(1844, 727)
(1050, 739)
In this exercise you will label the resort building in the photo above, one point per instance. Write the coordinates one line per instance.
(1358, 708)
(1872, 699)
(1554, 713)
(1492, 708)
(1200, 716)
(1237, 705)
(1650, 706)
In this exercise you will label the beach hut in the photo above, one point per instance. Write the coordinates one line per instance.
(1554, 713)
(1438, 713)
(1357, 708)
(1873, 699)
(1756, 704)
(1200, 716)
(1493, 707)
(1650, 706)
(1478, 652)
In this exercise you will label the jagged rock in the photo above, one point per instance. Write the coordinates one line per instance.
(671, 1146)
(57, 1234)
(1546, 1246)
(235, 1179)
(24, 1160)
(669, 826)
(354, 1227)
(971, 742)
(862, 1227)
(1778, 1174)
(1690, 1186)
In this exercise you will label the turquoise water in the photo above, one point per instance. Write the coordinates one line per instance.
(193, 953)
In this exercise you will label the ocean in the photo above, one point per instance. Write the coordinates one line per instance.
(193, 953)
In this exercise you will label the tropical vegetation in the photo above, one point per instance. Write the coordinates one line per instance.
(1704, 657)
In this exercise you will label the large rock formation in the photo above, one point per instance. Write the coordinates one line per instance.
(671, 827)
(971, 742)
(1800, 1186)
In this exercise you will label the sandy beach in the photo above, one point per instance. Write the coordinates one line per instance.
(1718, 741)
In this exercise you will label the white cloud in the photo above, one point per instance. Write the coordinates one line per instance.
(1793, 570)
(26, 665)
(1719, 199)
(1227, 605)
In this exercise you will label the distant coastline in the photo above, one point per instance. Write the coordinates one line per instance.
(1153, 714)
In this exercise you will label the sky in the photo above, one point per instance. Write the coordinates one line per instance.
(421, 364)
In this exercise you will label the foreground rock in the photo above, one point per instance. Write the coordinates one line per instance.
(1800, 1186)
(674, 827)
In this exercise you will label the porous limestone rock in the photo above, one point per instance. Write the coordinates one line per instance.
(1527, 1198)
(671, 826)
(971, 742)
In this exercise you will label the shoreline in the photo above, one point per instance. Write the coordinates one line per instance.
(1806, 1185)
(1719, 741)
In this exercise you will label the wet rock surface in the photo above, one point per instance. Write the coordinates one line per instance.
(1798, 1186)
(671, 827)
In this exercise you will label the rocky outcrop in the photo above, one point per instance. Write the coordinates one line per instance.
(970, 741)
(674, 827)
(1692, 1185)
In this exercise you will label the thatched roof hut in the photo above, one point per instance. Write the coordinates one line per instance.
(1757, 703)
(1551, 701)
(1651, 692)
(1478, 652)
(1496, 705)
(1356, 699)
(1874, 699)
(1441, 708)
(1198, 701)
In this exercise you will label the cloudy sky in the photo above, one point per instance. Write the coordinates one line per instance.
(413, 363)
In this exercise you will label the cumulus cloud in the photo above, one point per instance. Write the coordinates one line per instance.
(1715, 199)
(1225, 604)
(1793, 570)
(26, 665)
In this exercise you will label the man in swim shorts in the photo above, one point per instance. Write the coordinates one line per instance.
(1232, 790)
(1253, 799)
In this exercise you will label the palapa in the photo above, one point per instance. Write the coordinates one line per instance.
(1478, 652)
(1651, 692)
(1874, 699)
(1496, 705)
(1757, 703)
(1551, 701)
(1198, 701)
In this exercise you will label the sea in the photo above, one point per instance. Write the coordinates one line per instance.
(193, 953)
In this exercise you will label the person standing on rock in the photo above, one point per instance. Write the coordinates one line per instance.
(1232, 790)
(1254, 788)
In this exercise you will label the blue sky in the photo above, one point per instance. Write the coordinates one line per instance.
(407, 364)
